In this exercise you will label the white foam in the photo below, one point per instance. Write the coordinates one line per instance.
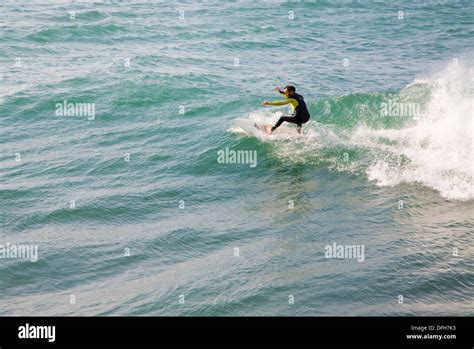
(437, 151)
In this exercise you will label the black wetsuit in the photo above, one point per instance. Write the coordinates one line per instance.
(300, 114)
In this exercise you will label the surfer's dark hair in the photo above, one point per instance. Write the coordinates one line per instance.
(290, 88)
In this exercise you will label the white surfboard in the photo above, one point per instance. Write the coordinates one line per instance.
(262, 131)
(252, 127)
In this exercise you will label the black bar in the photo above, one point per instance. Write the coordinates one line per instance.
(382, 331)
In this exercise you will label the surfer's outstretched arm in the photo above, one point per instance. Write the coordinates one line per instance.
(280, 91)
(282, 102)
(292, 101)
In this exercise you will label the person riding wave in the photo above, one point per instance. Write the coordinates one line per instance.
(300, 114)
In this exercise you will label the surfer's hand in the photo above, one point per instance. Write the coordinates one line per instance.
(277, 88)
(265, 103)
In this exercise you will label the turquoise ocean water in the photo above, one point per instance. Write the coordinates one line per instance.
(133, 214)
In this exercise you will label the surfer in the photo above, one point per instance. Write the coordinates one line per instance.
(300, 112)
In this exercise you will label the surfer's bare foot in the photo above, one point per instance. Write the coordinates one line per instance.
(269, 129)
